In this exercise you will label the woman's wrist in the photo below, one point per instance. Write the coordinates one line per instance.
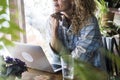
(56, 44)
(52, 48)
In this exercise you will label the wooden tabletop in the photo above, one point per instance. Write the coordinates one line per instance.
(33, 74)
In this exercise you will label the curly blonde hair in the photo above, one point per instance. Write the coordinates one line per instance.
(83, 9)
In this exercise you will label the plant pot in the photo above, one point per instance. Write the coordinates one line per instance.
(111, 44)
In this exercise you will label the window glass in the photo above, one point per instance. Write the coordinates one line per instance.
(36, 15)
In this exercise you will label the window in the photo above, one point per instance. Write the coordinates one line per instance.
(36, 14)
(16, 9)
(31, 16)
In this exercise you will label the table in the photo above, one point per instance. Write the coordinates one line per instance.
(33, 74)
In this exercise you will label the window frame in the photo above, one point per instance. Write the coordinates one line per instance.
(16, 8)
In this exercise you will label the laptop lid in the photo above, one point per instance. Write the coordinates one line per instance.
(33, 56)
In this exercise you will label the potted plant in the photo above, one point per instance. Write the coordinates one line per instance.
(11, 68)
(108, 28)
(106, 16)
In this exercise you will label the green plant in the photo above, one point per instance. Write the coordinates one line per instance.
(102, 7)
(105, 18)
(7, 26)
(83, 70)
(11, 67)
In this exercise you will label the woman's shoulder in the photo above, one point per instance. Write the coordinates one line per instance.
(92, 23)
(92, 19)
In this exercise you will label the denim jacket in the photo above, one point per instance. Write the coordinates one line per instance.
(86, 44)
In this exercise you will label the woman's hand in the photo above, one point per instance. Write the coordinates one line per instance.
(55, 42)
(55, 23)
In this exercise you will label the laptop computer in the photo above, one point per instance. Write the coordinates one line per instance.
(34, 57)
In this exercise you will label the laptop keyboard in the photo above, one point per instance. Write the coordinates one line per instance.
(56, 66)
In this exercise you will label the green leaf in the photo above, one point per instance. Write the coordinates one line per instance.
(6, 41)
(1, 78)
(3, 3)
(85, 71)
(2, 20)
(15, 27)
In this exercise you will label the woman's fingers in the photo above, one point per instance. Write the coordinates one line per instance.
(57, 16)
(55, 24)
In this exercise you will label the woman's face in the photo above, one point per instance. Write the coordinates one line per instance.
(61, 5)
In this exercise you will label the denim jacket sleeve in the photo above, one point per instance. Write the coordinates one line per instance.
(89, 41)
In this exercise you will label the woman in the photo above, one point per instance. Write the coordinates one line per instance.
(74, 26)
